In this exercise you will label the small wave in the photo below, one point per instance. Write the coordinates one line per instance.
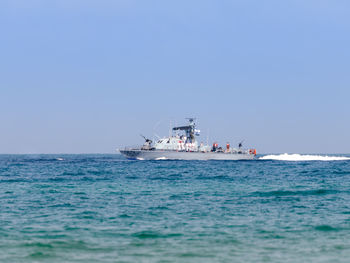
(326, 228)
(161, 158)
(152, 235)
(281, 193)
(304, 157)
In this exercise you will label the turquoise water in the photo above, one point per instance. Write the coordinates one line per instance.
(103, 208)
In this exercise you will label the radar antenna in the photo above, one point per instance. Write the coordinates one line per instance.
(191, 120)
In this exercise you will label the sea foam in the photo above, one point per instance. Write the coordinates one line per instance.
(161, 158)
(303, 157)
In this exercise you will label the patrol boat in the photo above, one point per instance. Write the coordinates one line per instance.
(185, 147)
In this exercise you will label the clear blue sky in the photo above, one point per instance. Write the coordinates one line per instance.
(83, 76)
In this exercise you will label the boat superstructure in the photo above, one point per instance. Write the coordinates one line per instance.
(183, 145)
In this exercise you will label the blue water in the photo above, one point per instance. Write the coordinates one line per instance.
(103, 208)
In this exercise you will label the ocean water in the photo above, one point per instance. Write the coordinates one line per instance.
(104, 208)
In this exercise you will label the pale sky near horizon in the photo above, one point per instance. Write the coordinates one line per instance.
(90, 76)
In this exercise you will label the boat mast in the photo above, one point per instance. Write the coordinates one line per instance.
(189, 130)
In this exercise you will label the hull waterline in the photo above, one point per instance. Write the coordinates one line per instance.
(178, 155)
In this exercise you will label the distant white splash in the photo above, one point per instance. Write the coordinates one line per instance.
(59, 159)
(303, 157)
(161, 158)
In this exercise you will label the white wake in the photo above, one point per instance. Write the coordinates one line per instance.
(161, 158)
(303, 157)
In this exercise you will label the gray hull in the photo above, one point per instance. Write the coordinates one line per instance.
(174, 155)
